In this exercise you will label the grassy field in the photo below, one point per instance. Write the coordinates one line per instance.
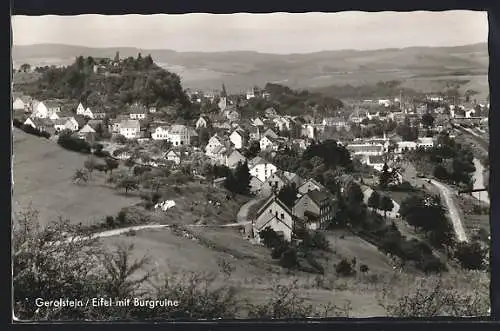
(255, 275)
(42, 174)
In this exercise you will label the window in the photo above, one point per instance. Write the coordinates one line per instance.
(276, 214)
(282, 216)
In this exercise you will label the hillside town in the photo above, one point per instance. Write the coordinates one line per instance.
(290, 169)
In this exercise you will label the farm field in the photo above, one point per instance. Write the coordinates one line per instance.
(42, 175)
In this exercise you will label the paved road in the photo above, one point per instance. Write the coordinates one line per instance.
(447, 194)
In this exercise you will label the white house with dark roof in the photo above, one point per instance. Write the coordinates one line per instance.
(275, 215)
(160, 133)
(262, 169)
(366, 149)
(137, 112)
(238, 139)
(179, 135)
(310, 185)
(215, 144)
(203, 122)
(130, 129)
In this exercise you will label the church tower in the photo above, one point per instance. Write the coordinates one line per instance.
(223, 99)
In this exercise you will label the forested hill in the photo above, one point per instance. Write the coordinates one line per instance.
(110, 84)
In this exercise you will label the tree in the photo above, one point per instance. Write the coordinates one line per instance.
(374, 200)
(354, 195)
(80, 175)
(25, 67)
(253, 149)
(440, 172)
(112, 164)
(117, 57)
(129, 163)
(288, 194)
(385, 177)
(470, 255)
(386, 205)
(242, 178)
(128, 183)
(427, 120)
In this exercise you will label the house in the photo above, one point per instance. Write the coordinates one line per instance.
(262, 169)
(214, 144)
(66, 123)
(80, 110)
(254, 133)
(267, 142)
(130, 129)
(232, 115)
(41, 124)
(375, 161)
(425, 142)
(160, 133)
(86, 133)
(257, 122)
(337, 122)
(179, 135)
(22, 103)
(173, 156)
(275, 215)
(250, 94)
(137, 112)
(310, 185)
(203, 122)
(255, 185)
(402, 146)
(99, 115)
(302, 144)
(42, 110)
(308, 130)
(366, 149)
(315, 209)
(293, 178)
(270, 133)
(274, 183)
(88, 113)
(233, 158)
(270, 112)
(152, 110)
(238, 138)
(384, 102)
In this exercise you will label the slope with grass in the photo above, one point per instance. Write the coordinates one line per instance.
(42, 174)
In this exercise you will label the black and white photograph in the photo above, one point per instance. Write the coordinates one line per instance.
(250, 166)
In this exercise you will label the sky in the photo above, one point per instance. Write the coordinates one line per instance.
(280, 33)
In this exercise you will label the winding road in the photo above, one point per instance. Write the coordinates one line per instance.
(447, 194)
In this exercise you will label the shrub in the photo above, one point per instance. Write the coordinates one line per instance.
(67, 141)
(289, 258)
(122, 217)
(17, 123)
(363, 268)
(345, 268)
(470, 255)
(110, 221)
(102, 154)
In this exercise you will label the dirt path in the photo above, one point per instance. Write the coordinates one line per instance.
(242, 216)
(447, 194)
